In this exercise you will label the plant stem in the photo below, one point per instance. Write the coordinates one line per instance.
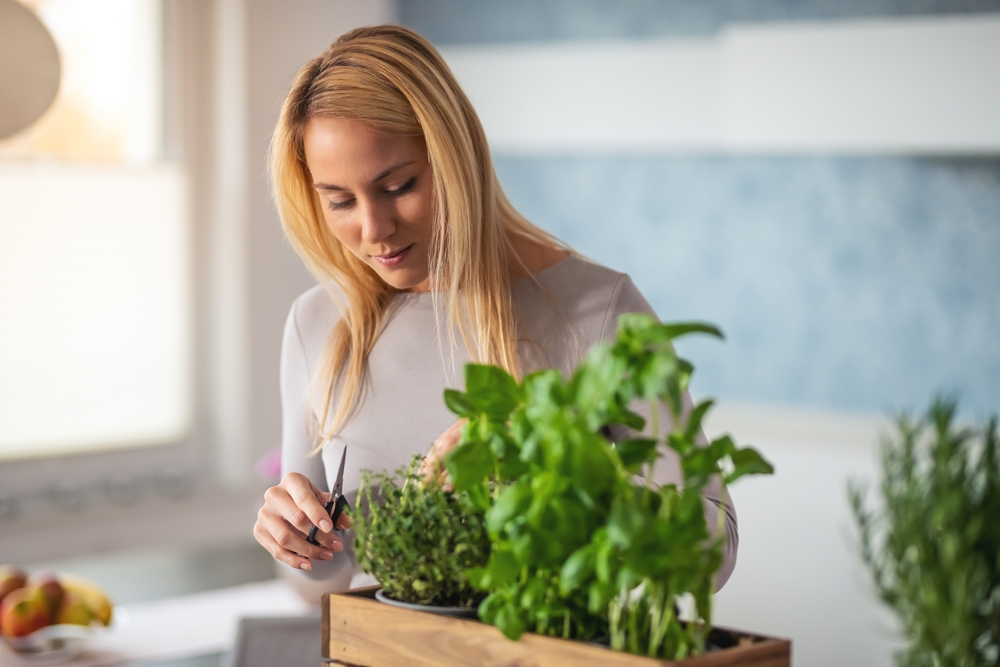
(654, 421)
(614, 619)
(656, 616)
(633, 628)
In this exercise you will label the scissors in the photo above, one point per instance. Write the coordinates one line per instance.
(337, 503)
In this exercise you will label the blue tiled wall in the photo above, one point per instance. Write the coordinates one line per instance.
(859, 283)
(471, 21)
(863, 283)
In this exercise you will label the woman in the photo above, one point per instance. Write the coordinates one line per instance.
(385, 187)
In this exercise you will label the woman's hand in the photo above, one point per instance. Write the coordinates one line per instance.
(290, 511)
(432, 469)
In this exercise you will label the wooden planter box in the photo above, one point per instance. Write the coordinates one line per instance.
(358, 631)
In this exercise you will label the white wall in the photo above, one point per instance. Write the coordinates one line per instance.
(860, 86)
(798, 575)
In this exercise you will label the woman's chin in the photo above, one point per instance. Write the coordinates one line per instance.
(405, 281)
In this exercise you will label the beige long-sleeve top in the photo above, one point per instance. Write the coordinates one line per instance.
(561, 312)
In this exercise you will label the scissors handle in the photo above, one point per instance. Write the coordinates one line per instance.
(334, 507)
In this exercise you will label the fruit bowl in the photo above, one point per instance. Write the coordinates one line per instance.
(58, 643)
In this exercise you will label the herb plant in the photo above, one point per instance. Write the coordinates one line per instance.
(934, 546)
(584, 544)
(419, 540)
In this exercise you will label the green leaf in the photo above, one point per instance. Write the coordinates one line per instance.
(458, 403)
(527, 547)
(625, 523)
(490, 606)
(589, 463)
(677, 329)
(508, 454)
(627, 578)
(509, 622)
(469, 464)
(502, 569)
(655, 374)
(598, 596)
(577, 568)
(606, 563)
(511, 467)
(635, 452)
(533, 594)
(748, 461)
(479, 498)
(693, 426)
(513, 501)
(492, 391)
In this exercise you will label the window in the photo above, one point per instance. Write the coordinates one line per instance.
(95, 298)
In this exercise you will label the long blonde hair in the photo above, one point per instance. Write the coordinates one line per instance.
(393, 79)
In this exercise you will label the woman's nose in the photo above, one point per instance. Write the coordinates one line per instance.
(376, 223)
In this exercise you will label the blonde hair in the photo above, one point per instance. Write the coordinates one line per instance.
(393, 79)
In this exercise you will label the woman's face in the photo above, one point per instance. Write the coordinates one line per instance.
(377, 196)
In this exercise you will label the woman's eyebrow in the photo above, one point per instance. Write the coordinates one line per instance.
(337, 188)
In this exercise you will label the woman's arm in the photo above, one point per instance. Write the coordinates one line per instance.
(294, 506)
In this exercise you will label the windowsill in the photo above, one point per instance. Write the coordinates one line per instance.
(205, 519)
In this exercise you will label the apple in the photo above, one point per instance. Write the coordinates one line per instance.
(22, 612)
(47, 586)
(11, 578)
(73, 610)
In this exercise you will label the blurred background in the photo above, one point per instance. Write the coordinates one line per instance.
(820, 178)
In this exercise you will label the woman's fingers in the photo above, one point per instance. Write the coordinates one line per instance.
(277, 501)
(343, 522)
(279, 552)
(307, 499)
(433, 463)
(288, 544)
(444, 482)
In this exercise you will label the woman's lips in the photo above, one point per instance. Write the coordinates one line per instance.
(392, 259)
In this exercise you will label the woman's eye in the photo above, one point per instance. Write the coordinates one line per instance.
(340, 205)
(404, 188)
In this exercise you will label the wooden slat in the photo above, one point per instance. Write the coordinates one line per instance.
(365, 633)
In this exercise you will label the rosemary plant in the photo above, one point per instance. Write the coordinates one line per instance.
(933, 547)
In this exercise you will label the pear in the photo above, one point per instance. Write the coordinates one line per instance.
(73, 610)
(22, 612)
(11, 578)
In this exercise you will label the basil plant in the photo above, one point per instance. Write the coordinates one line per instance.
(584, 544)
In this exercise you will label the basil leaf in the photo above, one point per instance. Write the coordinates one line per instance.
(469, 463)
(577, 568)
(635, 452)
(748, 461)
(458, 403)
(491, 391)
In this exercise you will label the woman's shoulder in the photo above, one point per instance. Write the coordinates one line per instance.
(580, 274)
(588, 293)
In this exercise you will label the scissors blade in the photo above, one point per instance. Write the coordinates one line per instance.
(338, 485)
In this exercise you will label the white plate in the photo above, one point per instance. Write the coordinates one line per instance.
(59, 643)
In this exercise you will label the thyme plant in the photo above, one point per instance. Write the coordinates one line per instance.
(933, 547)
(584, 543)
(419, 540)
